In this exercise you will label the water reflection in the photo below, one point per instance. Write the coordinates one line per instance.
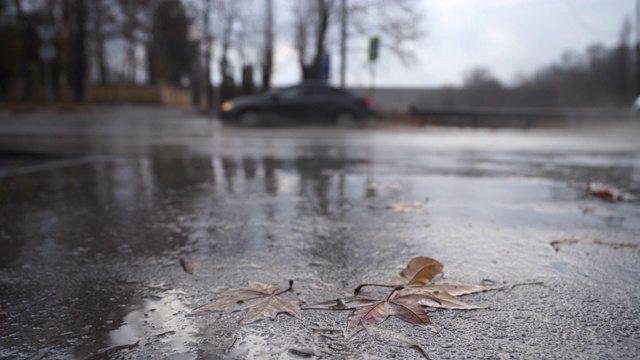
(158, 322)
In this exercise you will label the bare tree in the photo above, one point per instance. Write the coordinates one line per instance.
(208, 51)
(104, 26)
(396, 22)
(343, 42)
(317, 15)
(229, 15)
(136, 22)
(266, 63)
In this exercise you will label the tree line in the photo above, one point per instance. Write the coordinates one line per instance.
(182, 42)
(597, 76)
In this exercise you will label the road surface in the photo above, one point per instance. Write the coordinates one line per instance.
(97, 208)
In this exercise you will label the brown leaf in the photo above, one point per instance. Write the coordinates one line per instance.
(348, 303)
(556, 243)
(420, 270)
(606, 192)
(462, 289)
(406, 308)
(187, 265)
(406, 206)
(261, 300)
(439, 299)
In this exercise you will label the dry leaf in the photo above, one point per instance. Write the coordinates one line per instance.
(556, 243)
(405, 206)
(383, 186)
(439, 298)
(404, 307)
(187, 265)
(412, 289)
(420, 270)
(348, 303)
(261, 300)
(462, 289)
(370, 311)
(606, 192)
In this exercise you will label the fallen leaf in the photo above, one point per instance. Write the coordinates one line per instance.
(462, 289)
(438, 298)
(261, 300)
(187, 265)
(406, 206)
(556, 243)
(348, 303)
(412, 290)
(420, 270)
(404, 307)
(371, 311)
(606, 192)
(383, 186)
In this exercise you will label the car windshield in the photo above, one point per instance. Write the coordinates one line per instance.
(291, 92)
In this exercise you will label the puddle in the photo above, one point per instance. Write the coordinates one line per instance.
(155, 323)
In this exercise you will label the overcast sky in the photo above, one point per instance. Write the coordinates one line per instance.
(510, 37)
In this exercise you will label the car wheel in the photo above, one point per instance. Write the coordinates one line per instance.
(249, 118)
(345, 119)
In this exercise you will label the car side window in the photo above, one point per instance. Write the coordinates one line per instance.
(323, 91)
(291, 93)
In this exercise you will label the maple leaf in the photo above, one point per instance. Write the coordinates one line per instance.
(462, 289)
(404, 307)
(369, 311)
(261, 300)
(439, 299)
(420, 270)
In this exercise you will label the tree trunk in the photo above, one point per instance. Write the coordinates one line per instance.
(267, 61)
(312, 71)
(26, 32)
(343, 42)
(80, 35)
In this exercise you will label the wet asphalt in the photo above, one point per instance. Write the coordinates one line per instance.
(98, 207)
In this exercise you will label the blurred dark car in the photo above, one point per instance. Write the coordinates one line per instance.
(306, 102)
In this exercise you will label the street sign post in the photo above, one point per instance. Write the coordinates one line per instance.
(374, 46)
(325, 67)
(47, 53)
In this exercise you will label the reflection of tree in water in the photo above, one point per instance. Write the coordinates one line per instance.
(68, 232)
(305, 203)
(249, 165)
(229, 168)
(270, 180)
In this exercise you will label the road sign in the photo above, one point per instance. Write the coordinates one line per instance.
(374, 44)
(325, 68)
(47, 52)
(46, 32)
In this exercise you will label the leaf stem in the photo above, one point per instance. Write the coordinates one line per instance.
(285, 290)
(356, 291)
(526, 283)
(398, 287)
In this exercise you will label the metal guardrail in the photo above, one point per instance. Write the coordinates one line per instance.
(523, 114)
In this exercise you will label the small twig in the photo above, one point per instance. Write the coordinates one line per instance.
(356, 291)
(422, 350)
(287, 289)
(527, 283)
(228, 349)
